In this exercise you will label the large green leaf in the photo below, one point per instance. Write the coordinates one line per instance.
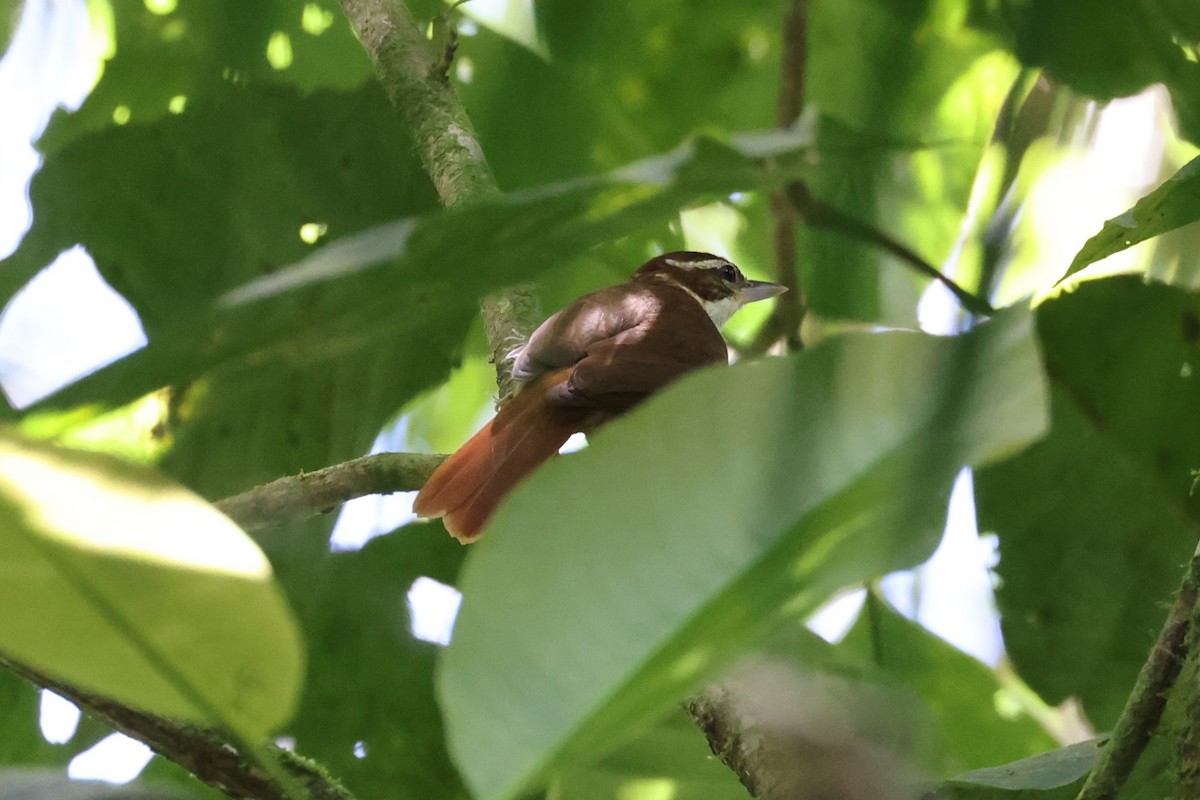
(671, 753)
(1106, 49)
(592, 106)
(257, 163)
(428, 273)
(899, 82)
(959, 690)
(1097, 519)
(1056, 775)
(136, 589)
(911, 101)
(732, 500)
(176, 211)
(1172, 205)
(197, 50)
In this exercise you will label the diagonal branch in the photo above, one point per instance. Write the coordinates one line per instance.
(413, 73)
(202, 751)
(822, 215)
(308, 494)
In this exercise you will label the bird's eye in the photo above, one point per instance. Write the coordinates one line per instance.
(729, 273)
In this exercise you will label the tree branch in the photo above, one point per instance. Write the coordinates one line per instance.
(1144, 708)
(822, 215)
(413, 76)
(793, 734)
(788, 314)
(203, 752)
(412, 73)
(308, 494)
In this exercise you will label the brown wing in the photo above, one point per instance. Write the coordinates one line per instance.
(621, 370)
(565, 337)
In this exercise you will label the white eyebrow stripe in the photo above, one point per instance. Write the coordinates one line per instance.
(708, 263)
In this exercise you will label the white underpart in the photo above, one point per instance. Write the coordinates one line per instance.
(719, 311)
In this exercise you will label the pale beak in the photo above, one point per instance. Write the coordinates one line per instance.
(760, 290)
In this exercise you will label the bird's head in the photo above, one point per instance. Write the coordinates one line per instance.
(716, 283)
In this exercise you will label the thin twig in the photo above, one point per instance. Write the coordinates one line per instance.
(1144, 708)
(822, 215)
(308, 494)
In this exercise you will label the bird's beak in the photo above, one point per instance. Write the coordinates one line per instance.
(760, 290)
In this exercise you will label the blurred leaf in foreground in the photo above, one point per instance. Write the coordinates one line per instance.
(136, 589)
(736, 499)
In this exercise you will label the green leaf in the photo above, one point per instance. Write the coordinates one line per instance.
(1106, 50)
(591, 107)
(370, 682)
(10, 15)
(179, 210)
(672, 753)
(900, 147)
(196, 51)
(1056, 775)
(959, 690)
(135, 589)
(1172, 205)
(907, 92)
(21, 740)
(1097, 520)
(377, 288)
(732, 501)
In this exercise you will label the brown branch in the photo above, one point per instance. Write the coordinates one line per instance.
(201, 751)
(1144, 708)
(308, 494)
(788, 315)
(412, 72)
(410, 68)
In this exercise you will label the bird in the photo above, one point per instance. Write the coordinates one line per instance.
(585, 365)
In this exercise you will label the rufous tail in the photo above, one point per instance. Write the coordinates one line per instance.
(467, 487)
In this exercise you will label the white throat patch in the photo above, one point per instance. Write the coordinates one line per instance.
(719, 311)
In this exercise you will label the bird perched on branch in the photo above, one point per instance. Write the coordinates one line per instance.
(590, 362)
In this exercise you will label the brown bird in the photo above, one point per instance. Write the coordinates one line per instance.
(590, 362)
